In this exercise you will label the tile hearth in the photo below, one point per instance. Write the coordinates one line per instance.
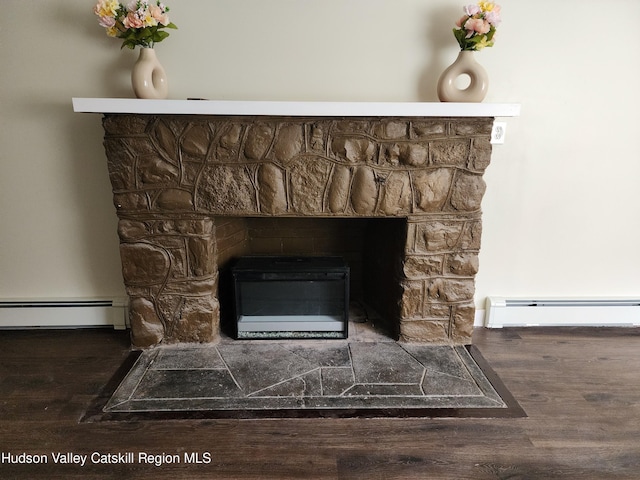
(366, 372)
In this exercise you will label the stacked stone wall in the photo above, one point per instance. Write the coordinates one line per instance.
(175, 179)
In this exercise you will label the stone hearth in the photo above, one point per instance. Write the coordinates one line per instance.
(191, 191)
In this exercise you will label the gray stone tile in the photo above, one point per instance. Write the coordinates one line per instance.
(384, 363)
(176, 358)
(195, 404)
(386, 389)
(437, 358)
(436, 383)
(478, 376)
(128, 386)
(335, 381)
(172, 384)
(256, 366)
(323, 354)
(307, 385)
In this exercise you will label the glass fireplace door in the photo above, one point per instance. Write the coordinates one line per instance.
(291, 297)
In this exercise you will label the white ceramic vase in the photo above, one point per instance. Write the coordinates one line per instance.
(465, 64)
(148, 78)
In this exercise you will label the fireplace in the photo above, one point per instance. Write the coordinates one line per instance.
(197, 185)
(291, 297)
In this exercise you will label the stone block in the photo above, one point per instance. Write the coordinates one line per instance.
(450, 290)
(316, 138)
(197, 321)
(397, 197)
(201, 256)
(174, 199)
(412, 300)
(179, 265)
(480, 155)
(391, 130)
(389, 154)
(441, 311)
(121, 175)
(227, 190)
(463, 264)
(353, 149)
(289, 143)
(196, 140)
(438, 236)
(193, 287)
(432, 188)
(227, 148)
(424, 331)
(462, 322)
(166, 138)
(146, 328)
(152, 169)
(339, 189)
(124, 124)
(190, 172)
(258, 141)
(352, 126)
(471, 235)
(308, 182)
(364, 191)
(129, 230)
(143, 264)
(413, 154)
(468, 127)
(449, 152)
(133, 201)
(428, 129)
(421, 267)
(467, 192)
(272, 190)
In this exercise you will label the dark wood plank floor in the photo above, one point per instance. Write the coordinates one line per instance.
(579, 387)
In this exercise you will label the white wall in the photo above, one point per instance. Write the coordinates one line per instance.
(562, 209)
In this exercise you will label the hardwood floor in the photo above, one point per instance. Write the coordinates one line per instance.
(579, 387)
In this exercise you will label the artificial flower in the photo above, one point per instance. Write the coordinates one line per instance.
(475, 30)
(139, 22)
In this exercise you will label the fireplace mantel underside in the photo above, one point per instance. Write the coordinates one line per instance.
(192, 179)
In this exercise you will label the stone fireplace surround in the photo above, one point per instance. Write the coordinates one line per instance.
(394, 188)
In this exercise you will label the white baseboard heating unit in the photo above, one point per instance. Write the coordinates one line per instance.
(591, 312)
(69, 313)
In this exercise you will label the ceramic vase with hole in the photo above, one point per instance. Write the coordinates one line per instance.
(148, 78)
(465, 64)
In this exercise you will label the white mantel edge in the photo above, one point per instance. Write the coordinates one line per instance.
(294, 109)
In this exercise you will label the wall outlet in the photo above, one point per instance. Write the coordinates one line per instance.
(498, 132)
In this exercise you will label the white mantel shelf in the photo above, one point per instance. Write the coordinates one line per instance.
(294, 109)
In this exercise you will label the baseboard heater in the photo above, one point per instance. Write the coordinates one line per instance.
(70, 313)
(593, 312)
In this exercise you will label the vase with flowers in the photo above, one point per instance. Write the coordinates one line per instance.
(139, 23)
(474, 31)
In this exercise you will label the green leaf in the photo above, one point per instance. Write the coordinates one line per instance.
(144, 33)
(130, 44)
(159, 36)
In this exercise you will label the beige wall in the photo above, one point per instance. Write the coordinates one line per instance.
(562, 209)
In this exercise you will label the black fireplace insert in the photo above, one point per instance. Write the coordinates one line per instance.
(291, 297)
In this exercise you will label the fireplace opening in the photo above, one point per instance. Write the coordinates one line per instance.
(371, 249)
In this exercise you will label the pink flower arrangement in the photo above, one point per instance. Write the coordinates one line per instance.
(138, 23)
(477, 27)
